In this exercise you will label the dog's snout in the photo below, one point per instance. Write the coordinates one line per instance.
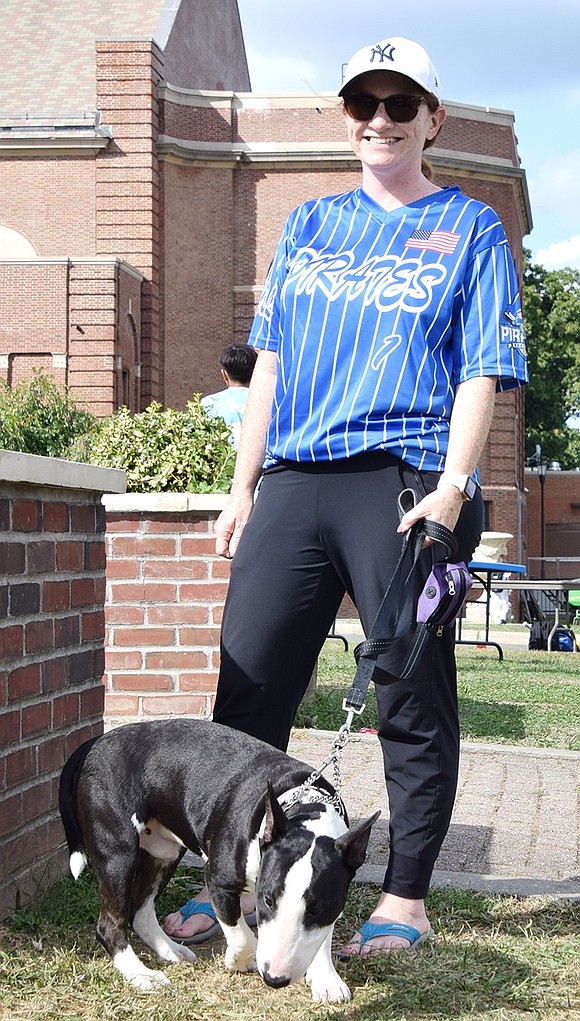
(276, 981)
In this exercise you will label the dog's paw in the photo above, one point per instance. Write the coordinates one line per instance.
(180, 954)
(148, 981)
(328, 988)
(236, 961)
(241, 948)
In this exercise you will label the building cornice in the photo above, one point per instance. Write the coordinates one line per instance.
(35, 139)
(218, 153)
(82, 260)
(306, 100)
(338, 153)
(273, 152)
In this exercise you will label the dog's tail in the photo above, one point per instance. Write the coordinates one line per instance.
(67, 805)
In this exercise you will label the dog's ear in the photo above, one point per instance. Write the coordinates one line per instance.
(353, 845)
(276, 821)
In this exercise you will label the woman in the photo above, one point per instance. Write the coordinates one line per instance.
(380, 336)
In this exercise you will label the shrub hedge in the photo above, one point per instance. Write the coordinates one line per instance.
(39, 417)
(160, 450)
(163, 450)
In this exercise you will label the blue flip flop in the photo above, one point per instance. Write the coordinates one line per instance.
(201, 907)
(370, 930)
(198, 907)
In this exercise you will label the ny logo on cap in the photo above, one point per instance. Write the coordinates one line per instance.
(383, 52)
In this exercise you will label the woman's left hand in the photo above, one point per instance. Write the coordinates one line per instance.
(442, 505)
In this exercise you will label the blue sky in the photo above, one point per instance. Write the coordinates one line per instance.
(518, 55)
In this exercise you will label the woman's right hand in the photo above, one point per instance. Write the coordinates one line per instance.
(250, 456)
(231, 523)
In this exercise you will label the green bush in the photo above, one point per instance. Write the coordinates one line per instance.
(39, 417)
(160, 451)
(163, 451)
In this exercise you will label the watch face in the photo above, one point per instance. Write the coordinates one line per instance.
(470, 488)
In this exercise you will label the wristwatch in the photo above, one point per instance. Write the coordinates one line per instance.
(464, 483)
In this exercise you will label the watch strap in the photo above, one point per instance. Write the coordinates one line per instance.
(466, 485)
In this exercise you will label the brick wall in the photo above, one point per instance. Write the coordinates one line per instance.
(128, 352)
(561, 520)
(92, 334)
(462, 132)
(199, 277)
(104, 335)
(33, 312)
(80, 321)
(51, 202)
(52, 570)
(501, 470)
(165, 594)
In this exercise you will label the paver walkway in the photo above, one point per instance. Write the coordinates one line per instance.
(515, 827)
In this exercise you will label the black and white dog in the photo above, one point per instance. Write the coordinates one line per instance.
(132, 802)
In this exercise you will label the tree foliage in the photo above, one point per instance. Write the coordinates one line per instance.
(163, 450)
(551, 309)
(39, 417)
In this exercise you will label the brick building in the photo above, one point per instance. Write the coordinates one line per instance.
(144, 190)
(555, 505)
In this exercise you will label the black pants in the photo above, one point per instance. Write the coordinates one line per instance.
(317, 532)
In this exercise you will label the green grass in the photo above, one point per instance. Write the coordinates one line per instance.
(494, 959)
(531, 698)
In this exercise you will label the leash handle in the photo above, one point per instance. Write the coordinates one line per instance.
(440, 533)
(396, 616)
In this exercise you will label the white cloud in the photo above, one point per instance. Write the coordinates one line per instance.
(560, 254)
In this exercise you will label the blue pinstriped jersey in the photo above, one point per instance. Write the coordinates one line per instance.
(377, 316)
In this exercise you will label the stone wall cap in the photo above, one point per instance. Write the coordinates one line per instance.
(59, 473)
(164, 503)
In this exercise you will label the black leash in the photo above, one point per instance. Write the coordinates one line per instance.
(409, 615)
(407, 638)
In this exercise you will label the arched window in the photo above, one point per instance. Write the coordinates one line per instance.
(14, 245)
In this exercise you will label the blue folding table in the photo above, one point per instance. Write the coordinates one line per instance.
(484, 571)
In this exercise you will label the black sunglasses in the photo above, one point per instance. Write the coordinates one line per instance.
(400, 108)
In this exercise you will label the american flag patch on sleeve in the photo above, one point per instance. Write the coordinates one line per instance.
(434, 241)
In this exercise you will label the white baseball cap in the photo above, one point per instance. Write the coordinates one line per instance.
(396, 54)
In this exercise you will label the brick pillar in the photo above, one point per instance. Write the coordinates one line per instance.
(93, 309)
(165, 594)
(128, 222)
(52, 587)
